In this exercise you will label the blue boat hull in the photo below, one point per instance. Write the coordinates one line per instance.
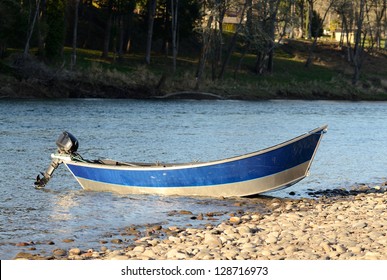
(269, 169)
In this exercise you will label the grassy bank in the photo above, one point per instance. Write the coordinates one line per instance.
(328, 78)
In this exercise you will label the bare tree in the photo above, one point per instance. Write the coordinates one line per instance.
(151, 19)
(358, 48)
(31, 28)
(206, 44)
(273, 8)
(246, 34)
(75, 31)
(174, 13)
(353, 16)
(310, 19)
(264, 38)
(301, 7)
(222, 9)
(379, 8)
(108, 27)
(233, 40)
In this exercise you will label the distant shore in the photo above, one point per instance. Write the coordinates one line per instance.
(32, 79)
(350, 227)
(63, 89)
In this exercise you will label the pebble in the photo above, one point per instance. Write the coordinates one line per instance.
(75, 251)
(342, 228)
(68, 240)
(139, 249)
(212, 240)
(23, 244)
(119, 258)
(59, 252)
(235, 220)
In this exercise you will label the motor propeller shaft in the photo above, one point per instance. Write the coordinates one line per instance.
(41, 182)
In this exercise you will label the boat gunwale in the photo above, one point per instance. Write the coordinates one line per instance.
(173, 166)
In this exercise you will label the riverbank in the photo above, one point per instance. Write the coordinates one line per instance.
(118, 86)
(351, 227)
(329, 78)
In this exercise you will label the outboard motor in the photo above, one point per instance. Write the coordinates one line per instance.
(67, 144)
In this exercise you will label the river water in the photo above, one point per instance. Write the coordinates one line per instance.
(353, 151)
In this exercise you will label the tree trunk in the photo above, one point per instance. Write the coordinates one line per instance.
(358, 48)
(174, 9)
(310, 19)
(313, 46)
(219, 42)
(302, 19)
(233, 42)
(203, 56)
(249, 31)
(271, 33)
(31, 30)
(120, 48)
(151, 18)
(128, 32)
(75, 32)
(108, 28)
(89, 18)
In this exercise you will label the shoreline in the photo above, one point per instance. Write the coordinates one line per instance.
(37, 81)
(351, 227)
(330, 78)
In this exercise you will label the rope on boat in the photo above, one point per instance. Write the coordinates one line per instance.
(78, 157)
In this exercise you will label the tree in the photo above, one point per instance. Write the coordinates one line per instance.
(75, 33)
(174, 13)
(357, 53)
(55, 18)
(300, 4)
(353, 16)
(265, 22)
(273, 9)
(233, 41)
(309, 18)
(246, 34)
(108, 29)
(317, 25)
(379, 9)
(31, 29)
(206, 40)
(151, 18)
(12, 25)
(317, 31)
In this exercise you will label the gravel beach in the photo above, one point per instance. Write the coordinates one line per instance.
(351, 227)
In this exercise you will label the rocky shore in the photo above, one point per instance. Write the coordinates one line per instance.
(351, 227)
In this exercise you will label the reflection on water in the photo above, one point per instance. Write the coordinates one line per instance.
(63, 207)
(352, 152)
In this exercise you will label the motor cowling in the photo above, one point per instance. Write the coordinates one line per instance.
(67, 143)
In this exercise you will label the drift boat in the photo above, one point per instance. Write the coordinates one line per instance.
(266, 170)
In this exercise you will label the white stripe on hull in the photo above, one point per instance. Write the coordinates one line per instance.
(255, 186)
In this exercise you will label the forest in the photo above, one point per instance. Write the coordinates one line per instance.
(245, 49)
